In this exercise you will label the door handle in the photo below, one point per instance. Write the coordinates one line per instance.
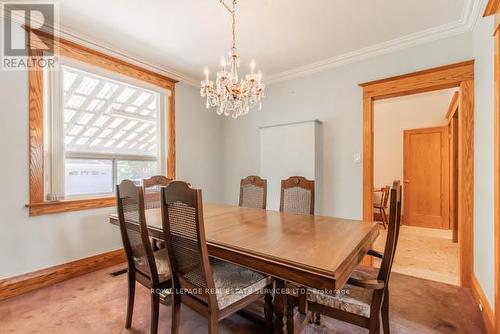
(407, 181)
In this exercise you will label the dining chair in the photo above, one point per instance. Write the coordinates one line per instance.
(151, 269)
(365, 297)
(297, 195)
(381, 206)
(152, 190)
(152, 199)
(253, 192)
(211, 287)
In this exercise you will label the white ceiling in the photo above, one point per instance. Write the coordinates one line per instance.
(283, 36)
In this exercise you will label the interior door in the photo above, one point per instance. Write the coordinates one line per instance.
(426, 177)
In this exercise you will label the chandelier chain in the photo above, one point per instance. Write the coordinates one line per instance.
(233, 13)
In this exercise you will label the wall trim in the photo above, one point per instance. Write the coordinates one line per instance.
(470, 14)
(492, 7)
(480, 298)
(18, 285)
(70, 35)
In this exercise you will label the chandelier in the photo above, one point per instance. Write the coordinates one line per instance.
(230, 94)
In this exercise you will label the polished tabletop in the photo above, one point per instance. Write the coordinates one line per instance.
(323, 246)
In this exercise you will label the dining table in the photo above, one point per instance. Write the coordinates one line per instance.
(310, 250)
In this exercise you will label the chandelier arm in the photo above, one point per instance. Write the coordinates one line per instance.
(226, 6)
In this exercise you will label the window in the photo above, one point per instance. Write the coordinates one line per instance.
(94, 122)
(111, 130)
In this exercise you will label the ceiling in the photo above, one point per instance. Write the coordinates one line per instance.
(283, 36)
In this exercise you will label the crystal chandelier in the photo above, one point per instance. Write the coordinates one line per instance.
(230, 94)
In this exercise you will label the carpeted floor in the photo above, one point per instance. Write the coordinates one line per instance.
(95, 303)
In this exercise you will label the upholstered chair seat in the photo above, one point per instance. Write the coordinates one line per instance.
(233, 282)
(162, 265)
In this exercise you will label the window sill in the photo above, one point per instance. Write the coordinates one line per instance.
(50, 207)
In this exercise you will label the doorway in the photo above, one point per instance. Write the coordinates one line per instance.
(460, 75)
(411, 144)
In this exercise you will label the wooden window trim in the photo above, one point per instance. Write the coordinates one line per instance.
(456, 75)
(37, 203)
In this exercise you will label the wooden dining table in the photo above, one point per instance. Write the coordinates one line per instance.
(312, 251)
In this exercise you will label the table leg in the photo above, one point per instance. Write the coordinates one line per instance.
(280, 304)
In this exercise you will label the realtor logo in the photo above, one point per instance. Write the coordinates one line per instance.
(19, 40)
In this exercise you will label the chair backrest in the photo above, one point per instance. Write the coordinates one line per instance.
(385, 196)
(130, 207)
(253, 192)
(392, 232)
(182, 217)
(152, 190)
(297, 195)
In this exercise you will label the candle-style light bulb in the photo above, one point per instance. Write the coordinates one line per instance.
(259, 77)
(252, 66)
(206, 73)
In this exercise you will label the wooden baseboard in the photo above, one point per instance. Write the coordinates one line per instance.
(487, 311)
(14, 286)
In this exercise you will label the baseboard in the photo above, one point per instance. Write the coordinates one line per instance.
(487, 311)
(14, 286)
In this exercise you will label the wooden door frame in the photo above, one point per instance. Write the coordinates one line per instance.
(459, 75)
(493, 8)
(445, 182)
(452, 117)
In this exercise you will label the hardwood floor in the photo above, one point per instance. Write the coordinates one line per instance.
(95, 303)
(425, 253)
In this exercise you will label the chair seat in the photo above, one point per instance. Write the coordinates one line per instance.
(379, 206)
(162, 265)
(365, 272)
(233, 282)
(350, 299)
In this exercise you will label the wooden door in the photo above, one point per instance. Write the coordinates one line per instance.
(426, 177)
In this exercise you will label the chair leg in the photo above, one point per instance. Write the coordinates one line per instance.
(268, 310)
(317, 319)
(385, 313)
(374, 326)
(176, 312)
(289, 317)
(131, 298)
(155, 311)
(213, 324)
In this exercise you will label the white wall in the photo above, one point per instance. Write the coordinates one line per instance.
(286, 150)
(392, 117)
(31, 243)
(483, 45)
(334, 98)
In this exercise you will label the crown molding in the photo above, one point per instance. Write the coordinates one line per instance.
(470, 13)
(87, 41)
(79, 38)
(469, 16)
